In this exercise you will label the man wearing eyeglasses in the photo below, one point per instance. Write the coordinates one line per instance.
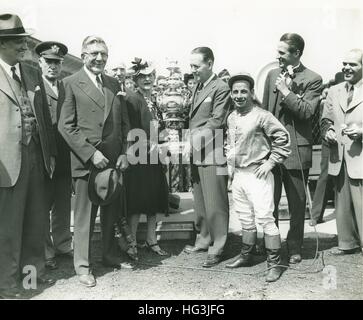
(94, 123)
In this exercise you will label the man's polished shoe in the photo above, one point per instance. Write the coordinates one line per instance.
(87, 280)
(51, 264)
(339, 252)
(211, 261)
(127, 265)
(45, 281)
(241, 261)
(295, 258)
(13, 293)
(193, 249)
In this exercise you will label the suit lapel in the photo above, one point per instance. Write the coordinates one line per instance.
(109, 96)
(61, 95)
(50, 91)
(203, 94)
(276, 97)
(88, 87)
(193, 99)
(357, 98)
(343, 96)
(6, 86)
(31, 80)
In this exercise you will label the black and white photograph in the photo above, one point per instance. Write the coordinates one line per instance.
(194, 151)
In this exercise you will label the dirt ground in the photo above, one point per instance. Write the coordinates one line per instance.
(180, 276)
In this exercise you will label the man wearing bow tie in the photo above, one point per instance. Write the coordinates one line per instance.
(94, 123)
(208, 112)
(59, 242)
(342, 127)
(27, 160)
(292, 94)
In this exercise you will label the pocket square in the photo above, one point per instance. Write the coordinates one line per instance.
(208, 99)
(37, 88)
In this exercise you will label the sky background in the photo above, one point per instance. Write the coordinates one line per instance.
(242, 34)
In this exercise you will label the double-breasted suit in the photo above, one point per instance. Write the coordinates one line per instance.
(60, 240)
(294, 111)
(25, 166)
(346, 162)
(207, 119)
(91, 120)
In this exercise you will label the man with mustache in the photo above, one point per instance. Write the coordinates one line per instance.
(94, 123)
(256, 142)
(342, 127)
(292, 94)
(59, 242)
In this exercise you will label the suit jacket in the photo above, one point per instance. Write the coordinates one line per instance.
(63, 161)
(208, 112)
(336, 113)
(91, 121)
(295, 112)
(11, 125)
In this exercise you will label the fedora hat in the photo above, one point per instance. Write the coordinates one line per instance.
(11, 26)
(104, 186)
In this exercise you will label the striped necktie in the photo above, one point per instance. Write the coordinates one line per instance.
(15, 76)
(99, 84)
(350, 95)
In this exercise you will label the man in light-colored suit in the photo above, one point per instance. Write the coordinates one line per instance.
(94, 123)
(292, 95)
(59, 241)
(207, 118)
(27, 160)
(342, 126)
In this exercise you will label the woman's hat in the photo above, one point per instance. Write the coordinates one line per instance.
(140, 66)
(11, 26)
(104, 186)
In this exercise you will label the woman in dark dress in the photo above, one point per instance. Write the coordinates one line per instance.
(146, 185)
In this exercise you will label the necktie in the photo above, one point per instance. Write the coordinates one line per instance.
(15, 76)
(350, 95)
(99, 84)
(199, 89)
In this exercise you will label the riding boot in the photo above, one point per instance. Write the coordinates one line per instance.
(273, 249)
(244, 259)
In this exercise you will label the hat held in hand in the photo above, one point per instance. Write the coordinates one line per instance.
(104, 186)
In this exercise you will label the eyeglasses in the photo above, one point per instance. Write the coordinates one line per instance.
(95, 54)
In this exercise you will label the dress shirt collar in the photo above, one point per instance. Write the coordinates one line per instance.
(8, 67)
(92, 76)
(348, 86)
(53, 86)
(209, 80)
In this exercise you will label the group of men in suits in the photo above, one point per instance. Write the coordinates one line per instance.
(42, 120)
(52, 131)
(291, 94)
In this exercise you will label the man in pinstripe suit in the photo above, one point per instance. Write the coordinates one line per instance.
(210, 103)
